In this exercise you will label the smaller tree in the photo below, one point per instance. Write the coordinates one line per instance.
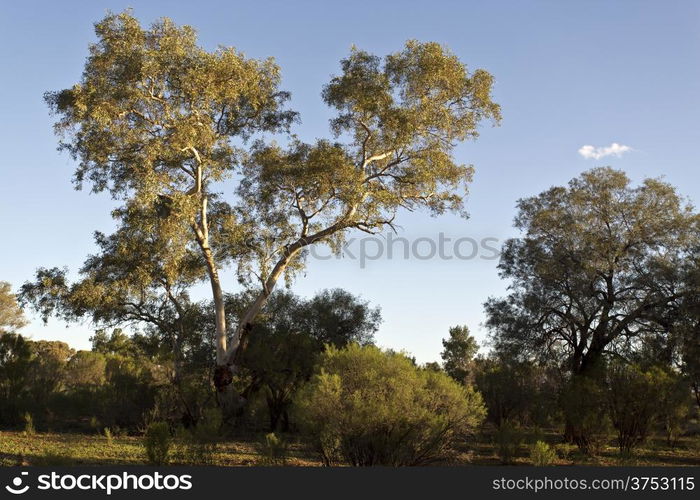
(518, 390)
(290, 336)
(47, 373)
(458, 354)
(86, 370)
(15, 360)
(11, 317)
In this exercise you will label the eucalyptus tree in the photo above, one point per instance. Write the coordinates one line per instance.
(152, 121)
(459, 350)
(160, 123)
(11, 316)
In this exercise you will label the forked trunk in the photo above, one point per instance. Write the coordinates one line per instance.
(230, 400)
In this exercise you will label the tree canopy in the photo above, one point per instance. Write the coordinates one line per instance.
(458, 354)
(11, 316)
(602, 264)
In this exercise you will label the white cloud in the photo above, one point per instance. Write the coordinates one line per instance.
(597, 153)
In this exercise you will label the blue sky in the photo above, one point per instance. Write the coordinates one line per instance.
(568, 74)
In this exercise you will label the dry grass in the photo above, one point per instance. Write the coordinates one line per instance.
(17, 448)
(654, 452)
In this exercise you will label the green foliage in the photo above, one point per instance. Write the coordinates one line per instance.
(583, 402)
(290, 335)
(458, 354)
(86, 369)
(542, 455)
(674, 408)
(15, 361)
(633, 400)
(157, 87)
(46, 371)
(11, 316)
(108, 435)
(116, 344)
(638, 398)
(589, 266)
(273, 450)
(401, 118)
(203, 438)
(518, 391)
(157, 442)
(508, 438)
(370, 407)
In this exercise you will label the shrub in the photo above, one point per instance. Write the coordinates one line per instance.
(95, 424)
(369, 407)
(198, 445)
(583, 402)
(674, 407)
(157, 442)
(508, 440)
(108, 435)
(519, 391)
(29, 429)
(565, 450)
(542, 455)
(203, 439)
(634, 400)
(273, 450)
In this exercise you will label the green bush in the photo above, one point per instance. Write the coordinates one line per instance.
(675, 404)
(369, 407)
(273, 450)
(519, 391)
(157, 442)
(634, 398)
(541, 454)
(204, 438)
(508, 439)
(583, 402)
(108, 435)
(198, 445)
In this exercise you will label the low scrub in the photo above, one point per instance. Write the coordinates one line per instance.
(370, 407)
(542, 455)
(157, 442)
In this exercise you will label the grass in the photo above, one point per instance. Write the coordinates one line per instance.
(18, 448)
(654, 452)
